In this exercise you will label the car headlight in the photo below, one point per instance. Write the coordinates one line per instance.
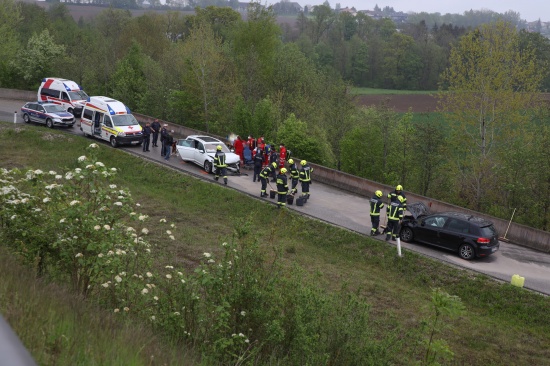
(122, 134)
(57, 119)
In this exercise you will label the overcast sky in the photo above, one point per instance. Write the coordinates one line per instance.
(529, 10)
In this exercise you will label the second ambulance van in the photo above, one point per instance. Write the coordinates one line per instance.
(63, 92)
(108, 119)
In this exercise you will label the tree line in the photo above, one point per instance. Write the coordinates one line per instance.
(219, 73)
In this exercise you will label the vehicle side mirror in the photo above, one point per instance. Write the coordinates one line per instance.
(201, 151)
(422, 223)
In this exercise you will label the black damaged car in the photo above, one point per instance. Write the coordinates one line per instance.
(469, 236)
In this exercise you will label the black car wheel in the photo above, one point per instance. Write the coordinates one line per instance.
(466, 251)
(26, 118)
(208, 166)
(407, 234)
(113, 142)
(49, 123)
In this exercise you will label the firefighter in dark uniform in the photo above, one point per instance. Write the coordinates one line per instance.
(264, 177)
(282, 188)
(395, 214)
(219, 163)
(258, 162)
(376, 205)
(294, 175)
(305, 177)
(398, 192)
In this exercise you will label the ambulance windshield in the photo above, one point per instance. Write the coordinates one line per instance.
(78, 95)
(124, 120)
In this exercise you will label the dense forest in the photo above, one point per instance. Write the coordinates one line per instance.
(486, 149)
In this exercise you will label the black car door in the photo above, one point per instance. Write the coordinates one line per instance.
(429, 228)
(453, 234)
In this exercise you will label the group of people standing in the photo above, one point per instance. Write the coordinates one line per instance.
(303, 175)
(396, 208)
(155, 130)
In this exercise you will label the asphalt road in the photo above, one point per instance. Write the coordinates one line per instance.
(349, 211)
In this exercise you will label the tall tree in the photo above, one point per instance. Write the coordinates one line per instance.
(37, 59)
(209, 76)
(492, 86)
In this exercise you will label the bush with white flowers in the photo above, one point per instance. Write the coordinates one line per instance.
(74, 224)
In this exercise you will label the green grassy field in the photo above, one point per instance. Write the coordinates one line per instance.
(502, 325)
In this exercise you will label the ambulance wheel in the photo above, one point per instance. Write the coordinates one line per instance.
(49, 123)
(113, 142)
(26, 118)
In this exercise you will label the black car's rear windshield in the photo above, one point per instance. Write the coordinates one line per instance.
(488, 231)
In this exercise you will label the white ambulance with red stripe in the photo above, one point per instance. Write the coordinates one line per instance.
(110, 120)
(64, 92)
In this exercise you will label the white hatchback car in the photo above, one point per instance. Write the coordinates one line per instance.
(201, 150)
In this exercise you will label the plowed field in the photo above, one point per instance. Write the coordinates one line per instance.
(401, 103)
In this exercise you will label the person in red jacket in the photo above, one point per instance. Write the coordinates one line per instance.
(282, 156)
(251, 143)
(239, 147)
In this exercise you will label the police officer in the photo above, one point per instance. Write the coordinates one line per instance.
(294, 175)
(147, 130)
(376, 205)
(398, 192)
(163, 133)
(264, 177)
(219, 163)
(282, 188)
(305, 177)
(258, 162)
(155, 126)
(395, 214)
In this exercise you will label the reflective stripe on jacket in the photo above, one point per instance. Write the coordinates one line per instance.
(219, 159)
(266, 172)
(294, 173)
(395, 211)
(305, 173)
(376, 205)
(282, 184)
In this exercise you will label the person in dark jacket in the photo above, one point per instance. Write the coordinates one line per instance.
(258, 162)
(305, 177)
(294, 175)
(163, 133)
(398, 192)
(395, 215)
(376, 205)
(274, 158)
(155, 126)
(221, 166)
(282, 188)
(167, 143)
(264, 177)
(146, 136)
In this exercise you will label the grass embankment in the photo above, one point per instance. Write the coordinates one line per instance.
(502, 325)
(60, 328)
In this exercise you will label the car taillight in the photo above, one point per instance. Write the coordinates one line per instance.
(483, 241)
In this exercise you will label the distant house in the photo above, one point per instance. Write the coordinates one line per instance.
(397, 16)
(348, 10)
